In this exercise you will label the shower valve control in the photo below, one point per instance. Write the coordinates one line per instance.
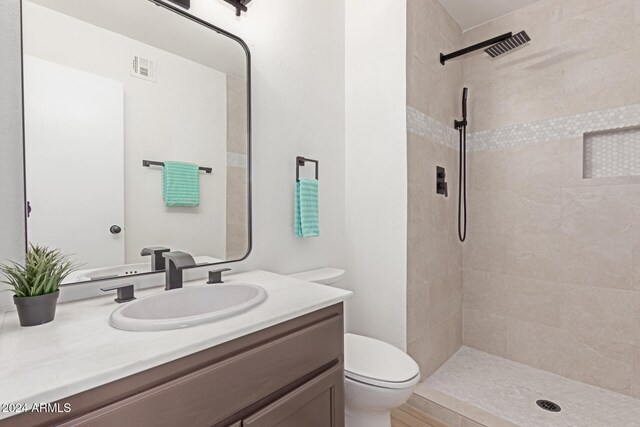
(441, 182)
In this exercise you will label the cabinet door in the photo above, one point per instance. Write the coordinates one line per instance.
(317, 403)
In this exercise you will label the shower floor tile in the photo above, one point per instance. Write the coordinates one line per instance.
(510, 390)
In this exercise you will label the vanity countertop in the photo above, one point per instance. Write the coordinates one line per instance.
(79, 350)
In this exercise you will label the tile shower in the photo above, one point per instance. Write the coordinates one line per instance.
(549, 276)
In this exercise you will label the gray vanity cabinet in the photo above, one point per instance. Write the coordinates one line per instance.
(314, 404)
(288, 375)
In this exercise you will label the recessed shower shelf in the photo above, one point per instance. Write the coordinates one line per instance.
(612, 153)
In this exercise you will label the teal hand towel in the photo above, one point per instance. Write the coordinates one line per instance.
(306, 208)
(180, 184)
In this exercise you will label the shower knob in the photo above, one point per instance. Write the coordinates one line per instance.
(115, 229)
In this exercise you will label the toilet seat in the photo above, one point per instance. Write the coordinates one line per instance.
(377, 363)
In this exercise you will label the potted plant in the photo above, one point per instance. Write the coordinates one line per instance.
(35, 285)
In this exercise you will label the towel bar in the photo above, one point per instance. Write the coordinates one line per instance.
(300, 161)
(147, 163)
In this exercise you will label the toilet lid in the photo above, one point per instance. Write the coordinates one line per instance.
(378, 363)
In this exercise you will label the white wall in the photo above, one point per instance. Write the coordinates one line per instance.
(376, 168)
(297, 50)
(298, 109)
(191, 127)
(11, 175)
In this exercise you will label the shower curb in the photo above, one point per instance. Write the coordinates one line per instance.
(452, 411)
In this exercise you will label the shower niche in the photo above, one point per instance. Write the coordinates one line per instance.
(611, 153)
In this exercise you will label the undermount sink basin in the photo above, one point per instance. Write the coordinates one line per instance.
(181, 308)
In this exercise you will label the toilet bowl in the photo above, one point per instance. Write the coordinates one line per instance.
(378, 376)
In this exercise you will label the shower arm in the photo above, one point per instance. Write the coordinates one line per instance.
(444, 58)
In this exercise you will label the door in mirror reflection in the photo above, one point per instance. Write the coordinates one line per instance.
(110, 86)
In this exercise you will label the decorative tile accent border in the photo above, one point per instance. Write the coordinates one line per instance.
(553, 129)
(525, 133)
(236, 160)
(612, 153)
(419, 123)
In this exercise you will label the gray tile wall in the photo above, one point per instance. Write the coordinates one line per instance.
(552, 264)
(434, 257)
(237, 174)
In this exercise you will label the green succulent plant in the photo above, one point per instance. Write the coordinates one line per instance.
(43, 271)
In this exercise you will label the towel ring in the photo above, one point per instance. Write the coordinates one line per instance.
(300, 161)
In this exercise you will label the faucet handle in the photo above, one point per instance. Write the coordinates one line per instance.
(125, 292)
(215, 276)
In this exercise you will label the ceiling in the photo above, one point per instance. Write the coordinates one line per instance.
(471, 13)
(143, 21)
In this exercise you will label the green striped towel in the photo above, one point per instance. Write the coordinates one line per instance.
(180, 184)
(306, 208)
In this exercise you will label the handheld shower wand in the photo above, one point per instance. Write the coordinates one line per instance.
(464, 103)
(461, 126)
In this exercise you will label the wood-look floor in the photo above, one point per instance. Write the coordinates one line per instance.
(406, 416)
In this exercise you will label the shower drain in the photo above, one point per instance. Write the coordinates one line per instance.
(548, 405)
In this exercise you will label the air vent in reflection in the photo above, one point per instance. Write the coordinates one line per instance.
(143, 68)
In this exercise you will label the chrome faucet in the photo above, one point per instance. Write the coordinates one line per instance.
(157, 260)
(177, 261)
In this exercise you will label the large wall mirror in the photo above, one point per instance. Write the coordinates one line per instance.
(121, 99)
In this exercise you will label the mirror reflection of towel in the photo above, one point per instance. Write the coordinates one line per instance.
(306, 222)
(180, 184)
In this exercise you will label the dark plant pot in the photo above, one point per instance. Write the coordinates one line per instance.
(37, 310)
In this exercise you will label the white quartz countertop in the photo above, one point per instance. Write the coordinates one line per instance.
(79, 350)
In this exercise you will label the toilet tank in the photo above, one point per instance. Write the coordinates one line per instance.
(325, 276)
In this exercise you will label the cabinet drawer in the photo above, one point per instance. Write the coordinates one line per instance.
(317, 403)
(210, 395)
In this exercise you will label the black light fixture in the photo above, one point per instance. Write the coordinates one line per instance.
(184, 3)
(240, 5)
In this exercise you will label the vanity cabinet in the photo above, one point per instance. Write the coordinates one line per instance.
(288, 375)
(311, 405)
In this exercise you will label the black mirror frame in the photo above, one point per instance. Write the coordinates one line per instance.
(245, 47)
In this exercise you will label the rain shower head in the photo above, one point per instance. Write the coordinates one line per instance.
(506, 45)
(496, 46)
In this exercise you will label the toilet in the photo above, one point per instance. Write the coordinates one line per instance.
(378, 376)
